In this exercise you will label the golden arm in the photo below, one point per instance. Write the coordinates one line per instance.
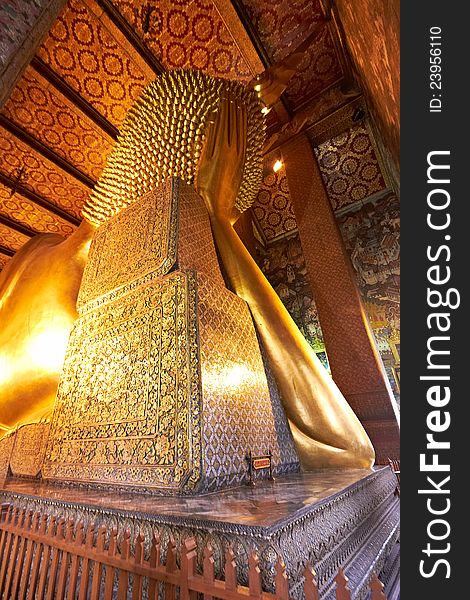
(38, 294)
(326, 431)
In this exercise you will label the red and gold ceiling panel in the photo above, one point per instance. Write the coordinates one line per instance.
(39, 109)
(12, 239)
(372, 32)
(319, 70)
(282, 25)
(35, 217)
(3, 260)
(349, 167)
(187, 34)
(40, 175)
(83, 51)
(272, 207)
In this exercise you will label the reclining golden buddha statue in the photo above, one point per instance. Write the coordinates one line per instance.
(210, 133)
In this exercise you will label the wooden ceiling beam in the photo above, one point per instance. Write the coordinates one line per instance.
(85, 107)
(18, 227)
(46, 152)
(247, 43)
(250, 29)
(6, 251)
(38, 200)
(131, 36)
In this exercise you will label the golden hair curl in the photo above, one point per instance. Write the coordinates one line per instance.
(162, 136)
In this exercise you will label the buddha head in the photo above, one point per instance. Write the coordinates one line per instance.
(162, 136)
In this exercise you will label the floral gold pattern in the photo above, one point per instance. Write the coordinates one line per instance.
(188, 35)
(24, 211)
(29, 449)
(132, 245)
(84, 52)
(349, 167)
(3, 261)
(43, 177)
(6, 447)
(12, 240)
(124, 412)
(272, 207)
(49, 117)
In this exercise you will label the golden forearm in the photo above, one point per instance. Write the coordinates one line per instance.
(326, 430)
(38, 294)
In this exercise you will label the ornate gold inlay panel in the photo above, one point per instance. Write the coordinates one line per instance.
(239, 413)
(163, 383)
(29, 449)
(138, 241)
(6, 447)
(196, 250)
(131, 370)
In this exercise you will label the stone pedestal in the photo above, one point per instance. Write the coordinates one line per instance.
(331, 519)
(163, 384)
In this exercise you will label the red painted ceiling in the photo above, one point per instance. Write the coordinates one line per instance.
(58, 126)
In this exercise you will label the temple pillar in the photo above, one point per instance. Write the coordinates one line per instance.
(355, 362)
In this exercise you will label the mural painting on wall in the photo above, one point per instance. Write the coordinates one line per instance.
(283, 264)
(371, 233)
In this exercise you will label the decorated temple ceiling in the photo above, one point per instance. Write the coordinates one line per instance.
(83, 51)
(12, 240)
(272, 208)
(26, 213)
(28, 169)
(281, 27)
(59, 125)
(374, 45)
(350, 167)
(187, 34)
(44, 113)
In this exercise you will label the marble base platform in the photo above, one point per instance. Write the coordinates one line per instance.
(332, 519)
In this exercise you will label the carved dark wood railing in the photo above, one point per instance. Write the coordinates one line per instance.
(42, 558)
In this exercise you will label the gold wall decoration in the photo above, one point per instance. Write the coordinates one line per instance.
(162, 137)
(132, 245)
(124, 411)
(29, 449)
(163, 383)
(6, 447)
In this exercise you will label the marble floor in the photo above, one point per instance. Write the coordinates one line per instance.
(263, 505)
